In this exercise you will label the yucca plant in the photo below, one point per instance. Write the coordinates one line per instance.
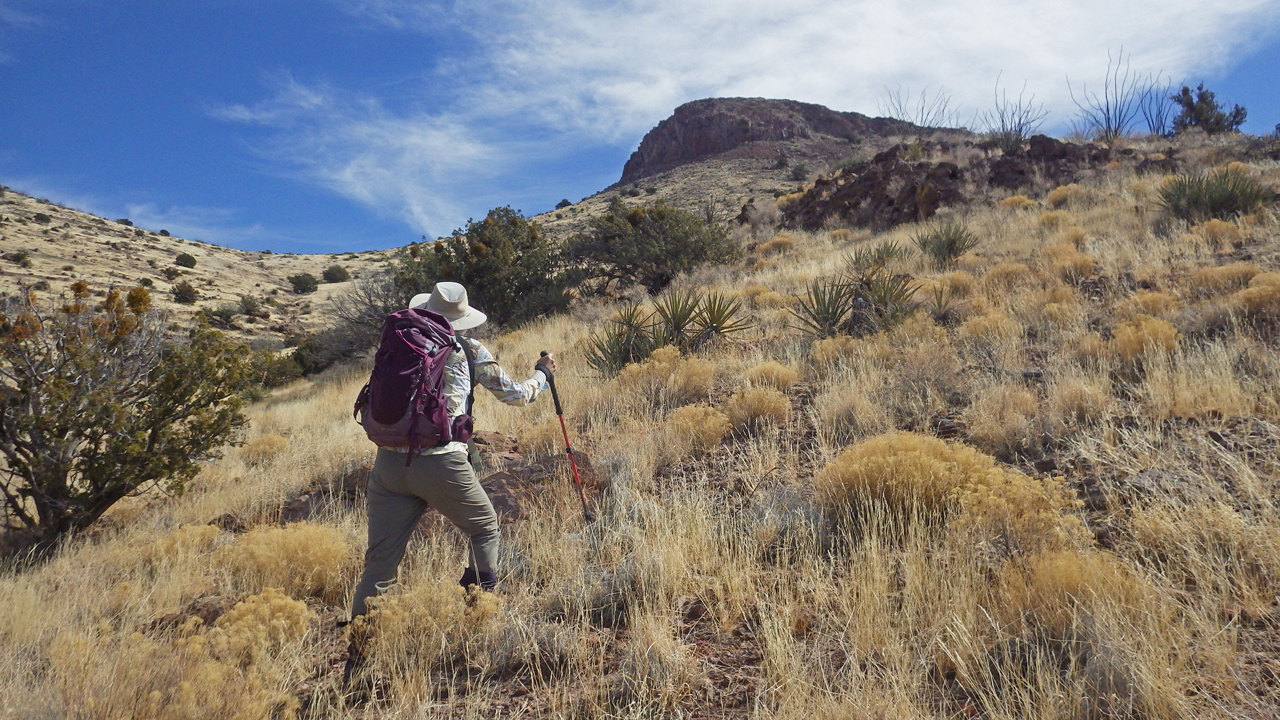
(628, 338)
(718, 318)
(824, 310)
(1217, 194)
(866, 258)
(941, 305)
(677, 316)
(946, 241)
(889, 297)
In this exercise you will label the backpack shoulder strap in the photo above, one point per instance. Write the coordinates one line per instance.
(471, 371)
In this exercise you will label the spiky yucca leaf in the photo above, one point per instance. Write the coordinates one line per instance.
(946, 241)
(677, 313)
(865, 258)
(890, 296)
(718, 317)
(1217, 194)
(628, 338)
(824, 310)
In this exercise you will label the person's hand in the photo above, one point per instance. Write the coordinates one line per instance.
(546, 363)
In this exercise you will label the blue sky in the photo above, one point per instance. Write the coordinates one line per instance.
(335, 125)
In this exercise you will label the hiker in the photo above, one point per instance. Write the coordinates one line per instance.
(406, 481)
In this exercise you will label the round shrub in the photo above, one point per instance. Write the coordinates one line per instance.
(758, 407)
(697, 427)
(906, 480)
(335, 274)
(902, 475)
(185, 260)
(419, 629)
(668, 378)
(1143, 336)
(303, 283)
(185, 293)
(138, 300)
(771, 373)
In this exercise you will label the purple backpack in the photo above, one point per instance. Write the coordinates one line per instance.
(403, 404)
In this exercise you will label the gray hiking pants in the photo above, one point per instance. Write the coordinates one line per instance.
(397, 498)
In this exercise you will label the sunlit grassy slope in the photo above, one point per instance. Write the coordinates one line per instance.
(781, 533)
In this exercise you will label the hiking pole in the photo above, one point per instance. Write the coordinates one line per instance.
(577, 481)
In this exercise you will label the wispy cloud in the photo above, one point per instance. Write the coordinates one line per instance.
(559, 74)
(11, 18)
(224, 226)
(418, 166)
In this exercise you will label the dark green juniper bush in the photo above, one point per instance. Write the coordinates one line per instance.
(99, 403)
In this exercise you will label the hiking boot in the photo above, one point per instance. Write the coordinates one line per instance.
(486, 580)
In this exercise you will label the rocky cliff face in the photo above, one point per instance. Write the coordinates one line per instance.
(705, 128)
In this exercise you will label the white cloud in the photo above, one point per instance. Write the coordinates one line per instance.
(579, 72)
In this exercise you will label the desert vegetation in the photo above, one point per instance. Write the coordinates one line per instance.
(1031, 474)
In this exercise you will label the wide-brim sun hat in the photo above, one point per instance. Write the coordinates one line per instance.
(450, 300)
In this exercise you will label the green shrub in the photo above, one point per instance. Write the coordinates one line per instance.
(563, 204)
(945, 242)
(224, 314)
(799, 173)
(335, 274)
(303, 283)
(19, 257)
(146, 282)
(185, 293)
(102, 402)
(164, 233)
(41, 218)
(1216, 194)
(511, 269)
(648, 245)
(185, 260)
(138, 300)
(170, 274)
(249, 305)
(1201, 110)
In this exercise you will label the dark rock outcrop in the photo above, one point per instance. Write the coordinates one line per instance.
(890, 189)
(703, 128)
(884, 191)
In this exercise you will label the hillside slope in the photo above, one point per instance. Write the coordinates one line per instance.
(1048, 487)
(62, 246)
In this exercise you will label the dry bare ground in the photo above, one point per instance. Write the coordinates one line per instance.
(781, 531)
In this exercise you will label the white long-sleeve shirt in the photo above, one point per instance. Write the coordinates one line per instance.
(457, 386)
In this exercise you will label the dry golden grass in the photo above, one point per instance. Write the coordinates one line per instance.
(757, 407)
(1224, 277)
(306, 559)
(1065, 196)
(1144, 336)
(780, 243)
(828, 564)
(774, 374)
(667, 378)
(696, 427)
